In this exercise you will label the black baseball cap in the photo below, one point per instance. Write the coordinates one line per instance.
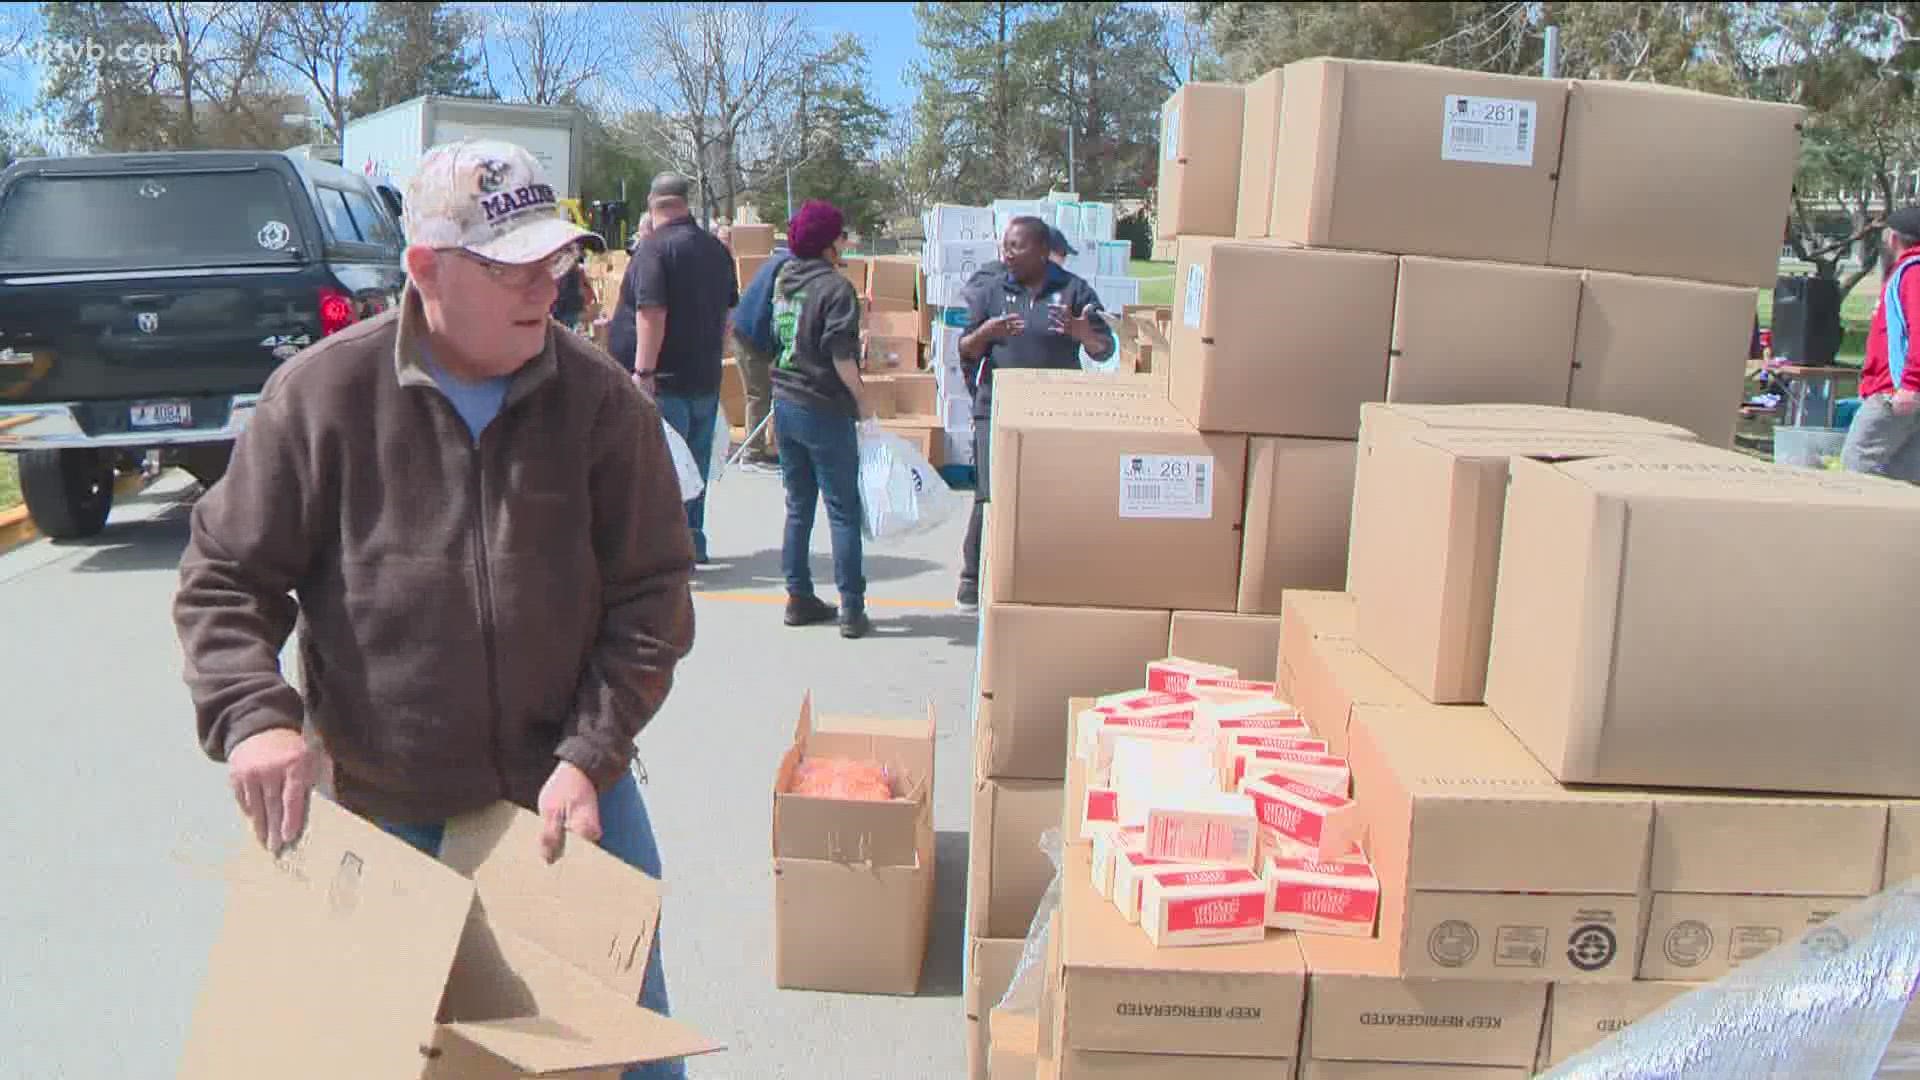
(1057, 242)
(1905, 221)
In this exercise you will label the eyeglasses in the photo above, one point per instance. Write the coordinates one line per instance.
(524, 275)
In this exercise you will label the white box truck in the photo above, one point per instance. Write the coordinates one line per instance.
(387, 146)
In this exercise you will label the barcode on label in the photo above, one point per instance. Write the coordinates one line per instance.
(1143, 492)
(1520, 141)
(1178, 486)
(1468, 136)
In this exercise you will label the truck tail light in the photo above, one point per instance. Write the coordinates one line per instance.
(336, 311)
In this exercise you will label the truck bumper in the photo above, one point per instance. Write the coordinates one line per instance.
(56, 426)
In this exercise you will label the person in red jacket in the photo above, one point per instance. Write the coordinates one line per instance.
(1884, 437)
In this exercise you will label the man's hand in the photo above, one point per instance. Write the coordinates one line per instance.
(568, 803)
(1905, 402)
(272, 775)
(647, 382)
(1079, 327)
(1002, 327)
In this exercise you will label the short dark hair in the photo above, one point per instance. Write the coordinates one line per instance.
(1037, 230)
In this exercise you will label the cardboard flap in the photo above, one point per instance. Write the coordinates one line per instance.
(365, 926)
(513, 998)
(539, 1046)
(588, 907)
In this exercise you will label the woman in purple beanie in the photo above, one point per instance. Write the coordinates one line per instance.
(818, 399)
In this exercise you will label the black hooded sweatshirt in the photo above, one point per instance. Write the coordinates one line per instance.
(816, 317)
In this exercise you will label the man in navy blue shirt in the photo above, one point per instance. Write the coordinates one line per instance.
(1033, 314)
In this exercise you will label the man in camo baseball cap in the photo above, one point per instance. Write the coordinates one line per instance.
(489, 198)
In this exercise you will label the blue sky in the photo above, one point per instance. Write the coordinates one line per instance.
(892, 40)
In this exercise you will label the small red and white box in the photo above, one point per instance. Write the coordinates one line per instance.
(1139, 705)
(1231, 690)
(1328, 772)
(1144, 767)
(1244, 761)
(1204, 826)
(1219, 906)
(1263, 711)
(1100, 812)
(1131, 864)
(1107, 847)
(1176, 673)
(1114, 729)
(1302, 821)
(1341, 897)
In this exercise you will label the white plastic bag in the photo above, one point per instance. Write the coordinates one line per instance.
(684, 466)
(900, 493)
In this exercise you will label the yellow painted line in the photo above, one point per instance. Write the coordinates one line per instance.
(780, 599)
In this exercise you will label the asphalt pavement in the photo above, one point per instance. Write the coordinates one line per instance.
(110, 887)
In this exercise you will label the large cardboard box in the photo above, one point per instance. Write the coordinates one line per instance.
(1034, 658)
(1732, 876)
(855, 270)
(1903, 842)
(1406, 1070)
(1249, 644)
(990, 966)
(1299, 504)
(1324, 674)
(1583, 1015)
(1650, 183)
(1253, 350)
(1358, 1011)
(1619, 579)
(749, 240)
(900, 326)
(894, 277)
(1014, 1046)
(746, 268)
(852, 880)
(922, 433)
(402, 965)
(1357, 136)
(1488, 868)
(1118, 504)
(1121, 994)
(1381, 420)
(918, 393)
(1663, 349)
(1200, 160)
(893, 353)
(1098, 1065)
(1433, 503)
(1477, 332)
(1008, 868)
(1259, 149)
(733, 393)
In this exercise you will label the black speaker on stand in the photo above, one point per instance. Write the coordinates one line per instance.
(1806, 320)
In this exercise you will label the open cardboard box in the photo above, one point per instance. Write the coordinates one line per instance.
(853, 879)
(354, 954)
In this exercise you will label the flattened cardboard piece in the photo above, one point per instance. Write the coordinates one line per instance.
(588, 907)
(851, 831)
(373, 914)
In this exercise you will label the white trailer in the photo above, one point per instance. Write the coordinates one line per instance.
(387, 146)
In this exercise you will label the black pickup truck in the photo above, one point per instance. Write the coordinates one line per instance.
(145, 298)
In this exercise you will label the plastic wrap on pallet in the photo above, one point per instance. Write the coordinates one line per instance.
(1826, 1005)
(1023, 992)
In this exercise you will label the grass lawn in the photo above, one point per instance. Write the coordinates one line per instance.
(1156, 280)
(9, 482)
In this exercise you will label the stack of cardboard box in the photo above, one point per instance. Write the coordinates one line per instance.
(905, 396)
(1465, 452)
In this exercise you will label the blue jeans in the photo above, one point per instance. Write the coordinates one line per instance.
(820, 458)
(625, 832)
(694, 418)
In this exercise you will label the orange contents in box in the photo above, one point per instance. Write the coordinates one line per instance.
(842, 778)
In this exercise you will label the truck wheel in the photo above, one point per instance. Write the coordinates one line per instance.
(68, 492)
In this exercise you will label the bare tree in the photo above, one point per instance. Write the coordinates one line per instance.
(314, 40)
(712, 78)
(554, 50)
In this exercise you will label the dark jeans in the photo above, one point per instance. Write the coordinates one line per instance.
(694, 418)
(982, 470)
(820, 459)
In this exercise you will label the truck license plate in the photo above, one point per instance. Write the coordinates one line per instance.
(163, 414)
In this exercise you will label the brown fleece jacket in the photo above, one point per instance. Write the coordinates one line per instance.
(469, 615)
